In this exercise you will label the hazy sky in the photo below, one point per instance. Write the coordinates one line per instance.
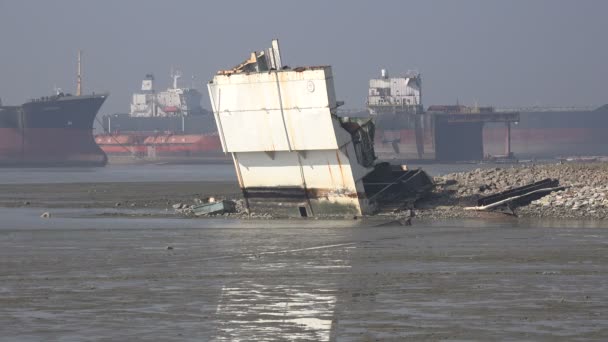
(524, 52)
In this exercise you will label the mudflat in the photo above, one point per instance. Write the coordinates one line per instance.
(77, 276)
(153, 195)
(293, 281)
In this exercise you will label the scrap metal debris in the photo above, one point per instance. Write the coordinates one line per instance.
(214, 208)
(518, 196)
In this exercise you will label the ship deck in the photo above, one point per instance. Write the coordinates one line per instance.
(477, 117)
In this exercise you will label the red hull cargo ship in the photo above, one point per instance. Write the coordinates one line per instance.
(51, 131)
(162, 127)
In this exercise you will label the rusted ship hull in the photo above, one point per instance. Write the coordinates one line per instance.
(525, 143)
(554, 134)
(54, 131)
(134, 148)
(537, 135)
(172, 139)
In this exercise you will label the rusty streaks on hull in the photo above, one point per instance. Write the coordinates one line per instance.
(341, 169)
(331, 174)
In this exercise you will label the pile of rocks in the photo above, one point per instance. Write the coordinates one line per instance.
(586, 195)
(584, 202)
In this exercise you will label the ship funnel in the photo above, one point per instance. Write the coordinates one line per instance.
(175, 75)
(384, 73)
(148, 83)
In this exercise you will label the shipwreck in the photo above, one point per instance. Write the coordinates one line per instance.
(292, 153)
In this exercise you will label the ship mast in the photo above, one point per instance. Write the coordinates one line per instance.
(79, 75)
(175, 74)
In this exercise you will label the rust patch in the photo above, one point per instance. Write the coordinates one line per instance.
(290, 134)
(238, 170)
(341, 169)
(331, 174)
(312, 67)
(284, 102)
(327, 193)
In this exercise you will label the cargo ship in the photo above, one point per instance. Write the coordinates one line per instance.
(405, 129)
(162, 127)
(553, 133)
(52, 130)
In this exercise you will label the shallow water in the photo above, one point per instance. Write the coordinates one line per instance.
(29, 218)
(79, 276)
(90, 274)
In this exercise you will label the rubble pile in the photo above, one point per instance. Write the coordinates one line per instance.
(585, 196)
(585, 202)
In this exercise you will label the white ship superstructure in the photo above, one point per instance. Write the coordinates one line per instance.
(287, 143)
(396, 94)
(173, 101)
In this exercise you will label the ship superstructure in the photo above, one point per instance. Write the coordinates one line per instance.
(167, 126)
(171, 102)
(397, 102)
(398, 94)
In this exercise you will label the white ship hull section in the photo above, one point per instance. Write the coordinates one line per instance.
(283, 137)
(279, 110)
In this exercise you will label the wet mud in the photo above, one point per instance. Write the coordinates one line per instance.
(93, 272)
(120, 195)
(280, 282)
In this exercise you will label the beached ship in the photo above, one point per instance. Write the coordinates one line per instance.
(293, 155)
(405, 129)
(51, 131)
(554, 132)
(166, 126)
(402, 129)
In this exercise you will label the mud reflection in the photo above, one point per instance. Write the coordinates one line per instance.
(283, 311)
